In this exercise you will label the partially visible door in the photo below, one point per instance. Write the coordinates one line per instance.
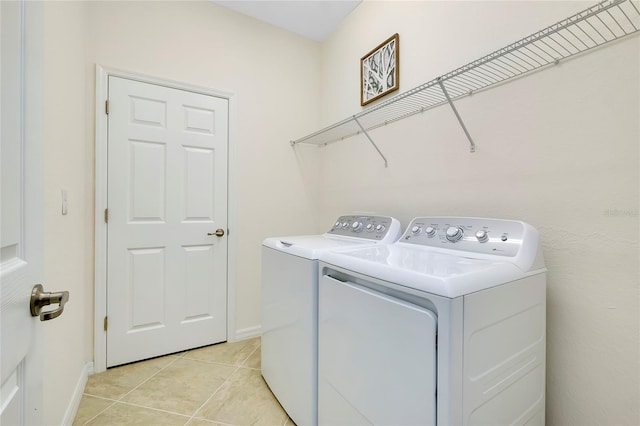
(167, 220)
(21, 361)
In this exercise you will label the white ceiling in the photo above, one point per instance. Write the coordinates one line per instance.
(313, 19)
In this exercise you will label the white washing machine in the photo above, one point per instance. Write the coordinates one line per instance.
(290, 307)
(444, 327)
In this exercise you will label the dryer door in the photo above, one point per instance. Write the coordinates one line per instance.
(377, 358)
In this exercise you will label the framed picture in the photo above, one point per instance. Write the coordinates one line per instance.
(379, 70)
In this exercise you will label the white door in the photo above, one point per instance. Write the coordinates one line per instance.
(21, 217)
(167, 198)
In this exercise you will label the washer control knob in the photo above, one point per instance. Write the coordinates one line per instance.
(370, 227)
(454, 233)
(338, 224)
(345, 225)
(482, 236)
(430, 231)
(504, 237)
(416, 230)
(356, 226)
(380, 227)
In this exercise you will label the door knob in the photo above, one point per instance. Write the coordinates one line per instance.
(219, 233)
(40, 298)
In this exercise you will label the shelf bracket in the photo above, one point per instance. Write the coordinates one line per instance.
(472, 148)
(370, 140)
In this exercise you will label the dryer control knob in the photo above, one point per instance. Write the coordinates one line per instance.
(380, 228)
(338, 224)
(454, 234)
(370, 227)
(430, 231)
(416, 230)
(345, 225)
(482, 236)
(356, 226)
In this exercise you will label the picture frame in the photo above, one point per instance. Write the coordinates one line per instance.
(380, 70)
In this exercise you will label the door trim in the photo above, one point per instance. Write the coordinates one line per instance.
(100, 296)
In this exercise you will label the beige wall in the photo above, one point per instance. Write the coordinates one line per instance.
(558, 149)
(274, 76)
(68, 164)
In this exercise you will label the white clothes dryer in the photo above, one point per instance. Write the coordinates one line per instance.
(444, 327)
(290, 307)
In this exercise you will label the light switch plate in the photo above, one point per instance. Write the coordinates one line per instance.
(64, 201)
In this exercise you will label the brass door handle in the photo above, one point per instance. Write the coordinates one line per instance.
(40, 298)
(219, 233)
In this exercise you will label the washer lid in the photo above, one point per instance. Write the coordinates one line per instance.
(348, 232)
(310, 246)
(424, 269)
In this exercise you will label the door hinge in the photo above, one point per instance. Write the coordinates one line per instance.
(106, 107)
(106, 323)
(106, 215)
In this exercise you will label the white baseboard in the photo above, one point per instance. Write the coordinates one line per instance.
(246, 333)
(72, 408)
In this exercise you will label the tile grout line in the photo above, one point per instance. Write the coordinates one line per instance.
(223, 383)
(147, 379)
(287, 418)
(115, 401)
(100, 397)
(211, 362)
(251, 354)
(184, 356)
(214, 394)
(154, 409)
(176, 357)
(250, 368)
(213, 422)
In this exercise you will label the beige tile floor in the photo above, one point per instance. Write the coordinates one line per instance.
(214, 385)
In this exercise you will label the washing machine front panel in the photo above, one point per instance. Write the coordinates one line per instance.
(290, 306)
(363, 367)
(485, 281)
(289, 329)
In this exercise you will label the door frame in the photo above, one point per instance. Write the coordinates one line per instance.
(101, 137)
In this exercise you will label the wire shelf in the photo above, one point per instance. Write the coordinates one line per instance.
(596, 26)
